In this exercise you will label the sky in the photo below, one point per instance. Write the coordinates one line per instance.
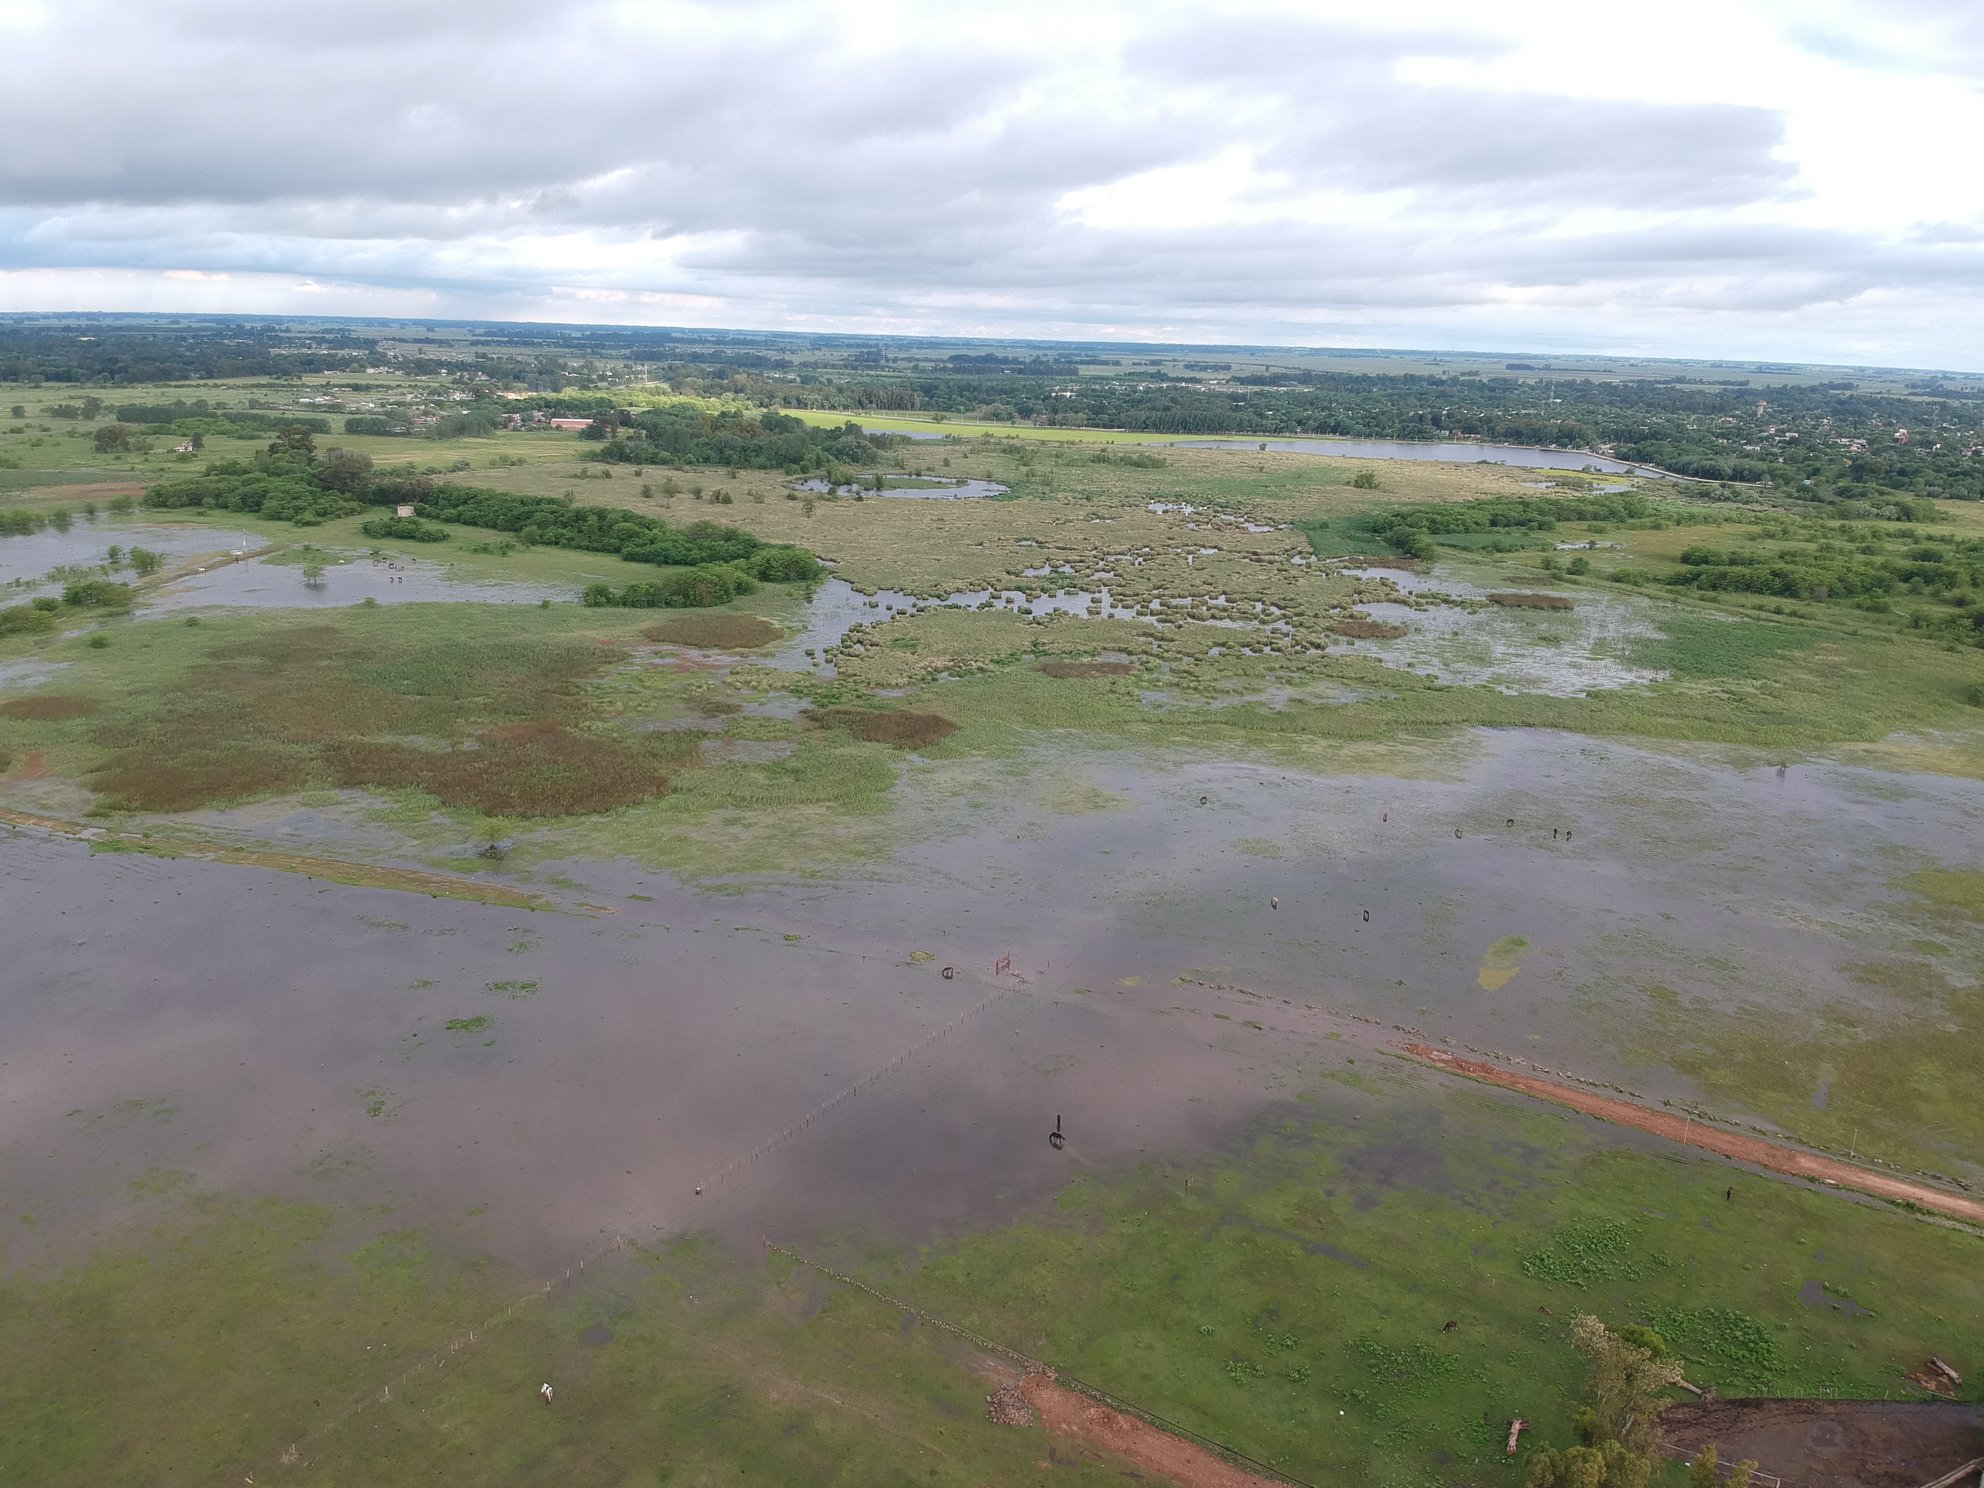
(1697, 178)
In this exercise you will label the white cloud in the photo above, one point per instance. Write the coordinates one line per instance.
(1751, 177)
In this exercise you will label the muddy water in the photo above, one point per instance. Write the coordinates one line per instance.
(270, 1034)
(267, 1033)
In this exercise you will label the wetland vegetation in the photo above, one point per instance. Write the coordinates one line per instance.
(1251, 759)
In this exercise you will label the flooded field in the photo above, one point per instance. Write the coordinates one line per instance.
(28, 560)
(344, 581)
(1452, 451)
(568, 1075)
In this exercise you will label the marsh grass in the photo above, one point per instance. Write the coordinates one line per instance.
(1071, 669)
(1531, 601)
(540, 768)
(721, 631)
(50, 707)
(899, 729)
(482, 709)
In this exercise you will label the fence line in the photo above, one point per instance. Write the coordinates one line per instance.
(1032, 1365)
(438, 1359)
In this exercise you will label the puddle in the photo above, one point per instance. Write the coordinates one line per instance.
(1816, 1293)
(29, 672)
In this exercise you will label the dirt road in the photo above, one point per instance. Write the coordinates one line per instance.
(1711, 1138)
(1074, 1414)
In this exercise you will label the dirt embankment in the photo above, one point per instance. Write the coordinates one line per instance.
(1074, 1414)
(1711, 1138)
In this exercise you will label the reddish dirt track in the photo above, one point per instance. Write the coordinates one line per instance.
(1711, 1138)
(1073, 1414)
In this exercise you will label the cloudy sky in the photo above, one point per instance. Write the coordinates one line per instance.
(1770, 178)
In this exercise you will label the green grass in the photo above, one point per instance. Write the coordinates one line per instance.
(1703, 646)
(1344, 1238)
(201, 1345)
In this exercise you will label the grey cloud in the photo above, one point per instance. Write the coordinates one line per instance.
(1528, 147)
(757, 154)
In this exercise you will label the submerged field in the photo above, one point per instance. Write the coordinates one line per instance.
(1244, 796)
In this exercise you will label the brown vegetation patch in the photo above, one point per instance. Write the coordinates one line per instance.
(719, 632)
(1369, 630)
(1087, 668)
(184, 783)
(275, 710)
(1530, 601)
(523, 769)
(50, 707)
(903, 730)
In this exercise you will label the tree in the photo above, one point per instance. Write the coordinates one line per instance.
(1706, 1470)
(1624, 1385)
(198, 441)
(1365, 480)
(293, 439)
(92, 406)
(145, 561)
(20, 410)
(343, 470)
(1740, 1477)
(313, 575)
(602, 427)
(114, 439)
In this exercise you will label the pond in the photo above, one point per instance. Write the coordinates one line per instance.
(1454, 452)
(912, 487)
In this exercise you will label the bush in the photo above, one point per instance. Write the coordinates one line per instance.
(411, 528)
(27, 619)
(98, 594)
(700, 587)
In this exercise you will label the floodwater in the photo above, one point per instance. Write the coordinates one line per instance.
(1558, 653)
(1455, 452)
(26, 559)
(914, 487)
(253, 584)
(237, 580)
(837, 607)
(268, 1033)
